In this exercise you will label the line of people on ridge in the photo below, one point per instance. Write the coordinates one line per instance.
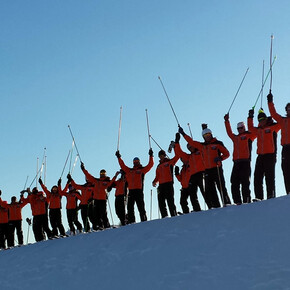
(201, 168)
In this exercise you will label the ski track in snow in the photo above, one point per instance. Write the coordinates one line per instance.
(238, 247)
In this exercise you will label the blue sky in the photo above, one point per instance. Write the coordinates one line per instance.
(77, 62)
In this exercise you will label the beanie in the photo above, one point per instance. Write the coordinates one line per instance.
(261, 116)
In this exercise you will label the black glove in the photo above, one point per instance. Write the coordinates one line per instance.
(150, 152)
(118, 154)
(22, 192)
(59, 182)
(176, 170)
(226, 117)
(0, 192)
(69, 178)
(270, 98)
(177, 138)
(217, 159)
(82, 166)
(180, 130)
(251, 113)
(40, 180)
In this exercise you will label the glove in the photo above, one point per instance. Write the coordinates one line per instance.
(226, 117)
(118, 154)
(270, 98)
(0, 192)
(82, 166)
(217, 159)
(150, 152)
(59, 182)
(177, 138)
(40, 180)
(69, 178)
(180, 130)
(176, 170)
(251, 113)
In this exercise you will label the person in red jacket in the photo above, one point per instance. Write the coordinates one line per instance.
(267, 150)
(4, 228)
(135, 179)
(86, 199)
(15, 220)
(241, 172)
(100, 197)
(214, 152)
(38, 203)
(195, 164)
(121, 193)
(284, 122)
(164, 176)
(72, 196)
(54, 199)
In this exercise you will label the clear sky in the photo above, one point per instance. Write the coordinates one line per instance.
(76, 62)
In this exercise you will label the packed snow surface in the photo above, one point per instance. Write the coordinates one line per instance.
(237, 247)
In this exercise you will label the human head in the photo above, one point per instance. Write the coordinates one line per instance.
(136, 161)
(103, 173)
(54, 189)
(161, 154)
(262, 118)
(34, 190)
(191, 148)
(206, 133)
(287, 108)
(241, 127)
(13, 199)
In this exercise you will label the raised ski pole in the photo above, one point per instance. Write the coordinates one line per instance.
(148, 129)
(65, 164)
(264, 83)
(238, 89)
(119, 131)
(189, 130)
(263, 74)
(155, 142)
(74, 165)
(271, 48)
(25, 182)
(71, 155)
(169, 101)
(35, 177)
(75, 144)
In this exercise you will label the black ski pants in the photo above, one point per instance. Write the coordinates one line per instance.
(72, 218)
(55, 221)
(120, 208)
(240, 177)
(39, 226)
(286, 166)
(18, 226)
(166, 194)
(4, 233)
(87, 215)
(101, 220)
(214, 178)
(136, 195)
(265, 166)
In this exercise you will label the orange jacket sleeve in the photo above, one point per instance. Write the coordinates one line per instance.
(273, 112)
(193, 143)
(229, 130)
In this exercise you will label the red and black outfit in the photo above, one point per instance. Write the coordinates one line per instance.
(85, 205)
(15, 222)
(101, 184)
(165, 190)
(212, 151)
(71, 208)
(284, 122)
(135, 179)
(54, 200)
(4, 227)
(241, 172)
(38, 203)
(266, 159)
(195, 164)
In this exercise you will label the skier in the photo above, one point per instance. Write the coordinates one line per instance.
(54, 199)
(101, 184)
(267, 150)
(15, 220)
(71, 207)
(241, 172)
(284, 122)
(86, 199)
(135, 179)
(214, 152)
(4, 230)
(165, 190)
(38, 203)
(121, 193)
(193, 163)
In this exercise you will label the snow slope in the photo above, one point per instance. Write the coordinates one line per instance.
(238, 247)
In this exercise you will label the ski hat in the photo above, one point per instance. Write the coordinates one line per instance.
(241, 125)
(103, 171)
(205, 130)
(261, 116)
(161, 152)
(136, 159)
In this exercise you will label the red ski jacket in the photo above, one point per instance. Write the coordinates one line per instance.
(87, 192)
(4, 218)
(53, 199)
(37, 202)
(184, 176)
(284, 122)
(15, 210)
(71, 197)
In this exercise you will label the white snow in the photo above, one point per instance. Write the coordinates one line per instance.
(238, 247)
